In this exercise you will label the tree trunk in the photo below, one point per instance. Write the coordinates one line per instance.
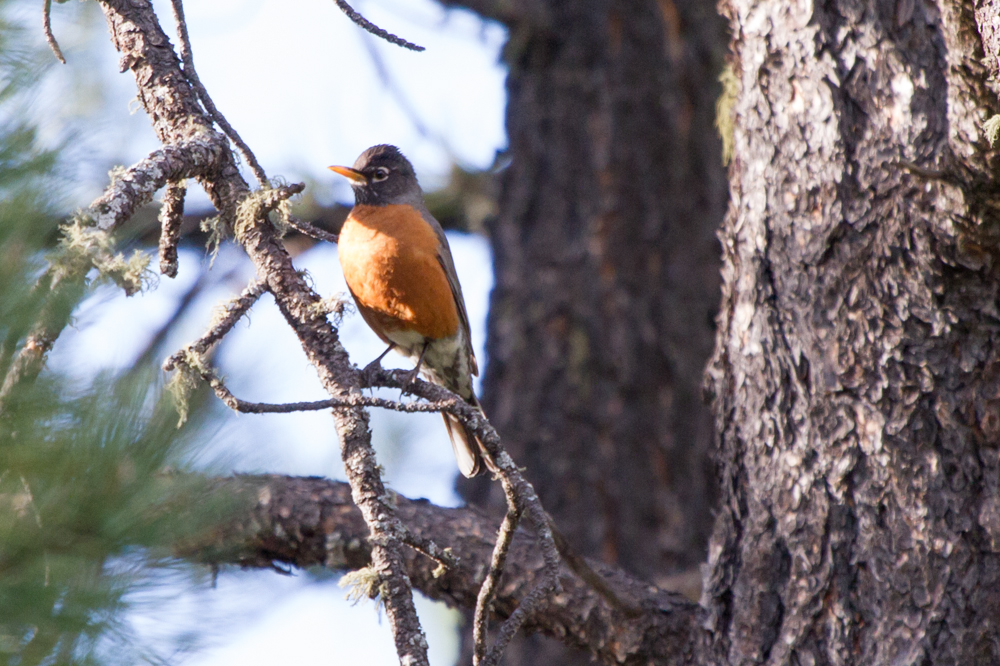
(856, 375)
(607, 279)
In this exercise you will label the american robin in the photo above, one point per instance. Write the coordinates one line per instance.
(399, 268)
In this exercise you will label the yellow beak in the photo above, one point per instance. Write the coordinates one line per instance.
(353, 175)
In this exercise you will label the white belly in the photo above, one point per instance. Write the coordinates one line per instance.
(446, 361)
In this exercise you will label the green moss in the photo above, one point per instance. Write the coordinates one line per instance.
(365, 583)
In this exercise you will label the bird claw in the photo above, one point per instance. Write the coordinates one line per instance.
(408, 379)
(371, 371)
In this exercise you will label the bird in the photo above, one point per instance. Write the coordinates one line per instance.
(401, 274)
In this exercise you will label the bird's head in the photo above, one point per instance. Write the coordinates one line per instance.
(382, 175)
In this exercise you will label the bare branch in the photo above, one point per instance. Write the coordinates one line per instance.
(220, 120)
(212, 378)
(171, 216)
(137, 185)
(225, 319)
(374, 29)
(47, 29)
(311, 230)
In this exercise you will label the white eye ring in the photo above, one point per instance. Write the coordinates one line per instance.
(380, 174)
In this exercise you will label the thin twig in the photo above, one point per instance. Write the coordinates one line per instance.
(247, 407)
(311, 230)
(456, 406)
(47, 27)
(484, 601)
(374, 29)
(443, 556)
(233, 311)
(171, 216)
(192, 76)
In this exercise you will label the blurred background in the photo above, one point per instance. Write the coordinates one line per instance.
(305, 88)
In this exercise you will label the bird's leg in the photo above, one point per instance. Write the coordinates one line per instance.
(376, 365)
(412, 374)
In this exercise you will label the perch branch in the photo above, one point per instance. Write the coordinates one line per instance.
(374, 29)
(192, 76)
(454, 405)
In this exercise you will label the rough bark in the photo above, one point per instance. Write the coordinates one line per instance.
(856, 374)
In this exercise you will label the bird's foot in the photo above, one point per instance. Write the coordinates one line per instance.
(411, 376)
(371, 372)
(408, 379)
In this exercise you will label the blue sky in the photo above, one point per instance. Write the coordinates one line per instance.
(298, 82)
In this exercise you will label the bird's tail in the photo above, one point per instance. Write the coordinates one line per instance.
(469, 451)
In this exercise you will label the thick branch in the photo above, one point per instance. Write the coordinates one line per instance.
(311, 522)
(137, 185)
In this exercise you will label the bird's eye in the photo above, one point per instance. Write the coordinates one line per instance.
(380, 174)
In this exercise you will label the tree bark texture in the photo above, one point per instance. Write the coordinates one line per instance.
(856, 377)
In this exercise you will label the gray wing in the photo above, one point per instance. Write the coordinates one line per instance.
(448, 264)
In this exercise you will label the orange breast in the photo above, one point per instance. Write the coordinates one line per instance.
(389, 256)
